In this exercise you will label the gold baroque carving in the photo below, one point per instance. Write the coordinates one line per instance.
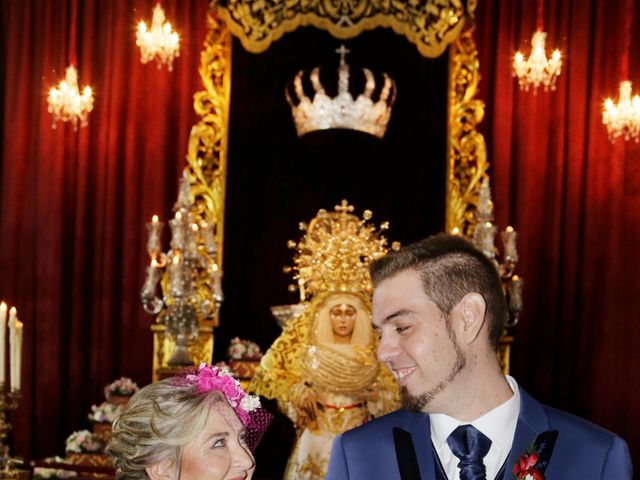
(504, 351)
(207, 147)
(200, 349)
(467, 150)
(429, 24)
(206, 156)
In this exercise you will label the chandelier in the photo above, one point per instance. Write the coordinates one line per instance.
(160, 42)
(67, 104)
(623, 117)
(537, 68)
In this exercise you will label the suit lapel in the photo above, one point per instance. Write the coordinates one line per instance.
(531, 421)
(421, 433)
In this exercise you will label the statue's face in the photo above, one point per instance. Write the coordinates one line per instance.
(343, 319)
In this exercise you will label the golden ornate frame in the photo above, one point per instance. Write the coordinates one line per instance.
(467, 162)
(432, 25)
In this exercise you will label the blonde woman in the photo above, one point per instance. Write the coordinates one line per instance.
(197, 425)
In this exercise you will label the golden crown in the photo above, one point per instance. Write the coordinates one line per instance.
(323, 112)
(335, 251)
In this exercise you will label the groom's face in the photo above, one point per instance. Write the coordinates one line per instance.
(417, 342)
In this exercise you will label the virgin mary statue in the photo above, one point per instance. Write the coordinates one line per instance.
(323, 369)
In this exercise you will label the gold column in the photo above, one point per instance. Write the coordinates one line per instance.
(467, 151)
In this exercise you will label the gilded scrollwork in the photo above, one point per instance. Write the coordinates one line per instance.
(206, 154)
(431, 25)
(467, 150)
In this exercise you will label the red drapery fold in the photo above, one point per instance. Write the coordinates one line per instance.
(574, 198)
(73, 205)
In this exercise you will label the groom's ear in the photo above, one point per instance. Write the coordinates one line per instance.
(469, 317)
(161, 471)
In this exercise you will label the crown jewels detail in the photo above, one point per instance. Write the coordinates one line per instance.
(335, 251)
(323, 112)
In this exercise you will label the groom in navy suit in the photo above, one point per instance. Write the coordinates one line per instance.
(439, 309)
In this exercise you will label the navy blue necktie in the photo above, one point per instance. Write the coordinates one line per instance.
(470, 445)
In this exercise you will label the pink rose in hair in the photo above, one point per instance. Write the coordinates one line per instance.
(247, 407)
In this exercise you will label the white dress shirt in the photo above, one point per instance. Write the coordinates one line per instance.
(499, 425)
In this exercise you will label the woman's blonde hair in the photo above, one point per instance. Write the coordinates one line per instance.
(159, 420)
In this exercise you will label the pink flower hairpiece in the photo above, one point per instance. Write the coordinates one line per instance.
(211, 378)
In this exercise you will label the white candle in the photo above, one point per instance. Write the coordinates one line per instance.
(509, 241)
(216, 278)
(153, 242)
(3, 329)
(515, 294)
(176, 281)
(488, 245)
(177, 232)
(18, 369)
(192, 241)
(12, 344)
(153, 275)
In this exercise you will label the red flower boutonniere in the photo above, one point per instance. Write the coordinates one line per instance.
(525, 467)
(533, 463)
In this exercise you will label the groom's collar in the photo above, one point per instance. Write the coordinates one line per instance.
(499, 424)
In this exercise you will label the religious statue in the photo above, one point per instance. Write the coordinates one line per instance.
(323, 368)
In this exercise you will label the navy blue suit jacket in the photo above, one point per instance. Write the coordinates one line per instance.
(582, 451)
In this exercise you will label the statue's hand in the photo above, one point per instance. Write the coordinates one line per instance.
(309, 403)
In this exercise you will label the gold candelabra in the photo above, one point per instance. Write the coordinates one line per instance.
(189, 275)
(9, 399)
(10, 391)
(484, 239)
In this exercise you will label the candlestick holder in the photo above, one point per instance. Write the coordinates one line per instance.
(484, 239)
(9, 400)
(188, 274)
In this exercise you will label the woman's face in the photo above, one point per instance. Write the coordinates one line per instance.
(343, 319)
(218, 453)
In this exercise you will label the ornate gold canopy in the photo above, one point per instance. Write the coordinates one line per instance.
(432, 25)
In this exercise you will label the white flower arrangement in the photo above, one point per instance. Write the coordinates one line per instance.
(244, 350)
(250, 403)
(123, 386)
(105, 412)
(52, 473)
(83, 441)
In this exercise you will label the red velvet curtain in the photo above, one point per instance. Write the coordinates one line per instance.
(574, 197)
(73, 204)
